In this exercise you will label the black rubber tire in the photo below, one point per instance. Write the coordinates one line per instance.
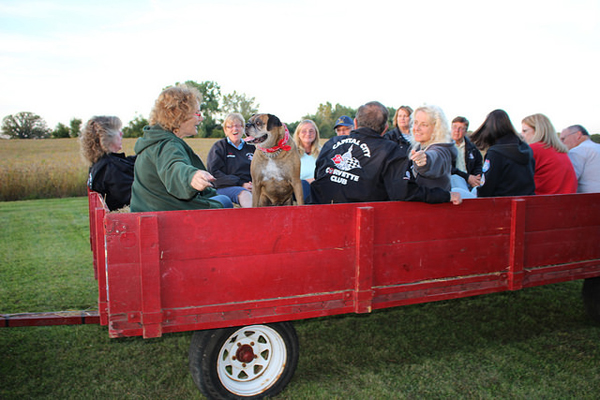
(591, 297)
(221, 374)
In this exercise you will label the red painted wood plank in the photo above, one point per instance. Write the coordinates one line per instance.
(517, 245)
(363, 292)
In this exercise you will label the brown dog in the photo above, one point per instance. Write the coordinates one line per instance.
(275, 167)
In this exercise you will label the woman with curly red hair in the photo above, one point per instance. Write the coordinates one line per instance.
(169, 175)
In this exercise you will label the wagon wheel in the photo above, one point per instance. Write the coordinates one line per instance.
(250, 362)
(591, 297)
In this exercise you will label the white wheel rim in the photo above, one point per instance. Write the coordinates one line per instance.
(251, 360)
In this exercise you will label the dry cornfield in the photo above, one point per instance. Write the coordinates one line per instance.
(37, 169)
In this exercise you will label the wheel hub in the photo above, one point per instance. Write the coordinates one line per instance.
(245, 353)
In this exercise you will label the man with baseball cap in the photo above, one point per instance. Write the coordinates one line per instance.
(343, 125)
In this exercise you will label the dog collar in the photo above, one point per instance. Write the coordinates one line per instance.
(281, 145)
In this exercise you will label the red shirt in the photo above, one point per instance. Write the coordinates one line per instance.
(554, 173)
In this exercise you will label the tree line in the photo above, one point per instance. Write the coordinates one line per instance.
(215, 107)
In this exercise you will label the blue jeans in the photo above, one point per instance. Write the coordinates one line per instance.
(223, 200)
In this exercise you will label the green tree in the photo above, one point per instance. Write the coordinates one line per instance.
(25, 125)
(239, 103)
(135, 127)
(75, 127)
(211, 97)
(391, 111)
(326, 116)
(61, 131)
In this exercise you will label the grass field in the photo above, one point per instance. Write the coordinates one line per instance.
(39, 169)
(531, 344)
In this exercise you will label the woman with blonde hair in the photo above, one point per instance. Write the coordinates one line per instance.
(433, 153)
(111, 173)
(306, 138)
(169, 175)
(554, 172)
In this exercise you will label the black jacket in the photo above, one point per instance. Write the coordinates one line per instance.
(112, 176)
(473, 161)
(229, 166)
(364, 166)
(397, 137)
(508, 169)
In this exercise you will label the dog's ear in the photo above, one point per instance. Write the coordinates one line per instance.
(273, 121)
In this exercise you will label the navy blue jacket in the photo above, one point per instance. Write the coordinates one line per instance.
(230, 166)
(508, 169)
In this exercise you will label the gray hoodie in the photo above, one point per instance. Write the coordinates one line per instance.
(441, 158)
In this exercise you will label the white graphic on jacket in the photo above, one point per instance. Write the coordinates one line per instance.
(346, 162)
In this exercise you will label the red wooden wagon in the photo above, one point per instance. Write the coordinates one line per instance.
(239, 277)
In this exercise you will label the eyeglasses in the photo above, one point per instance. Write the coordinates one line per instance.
(563, 138)
(233, 126)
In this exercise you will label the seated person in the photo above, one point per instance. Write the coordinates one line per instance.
(306, 138)
(229, 162)
(111, 173)
(343, 125)
(401, 133)
(169, 175)
(508, 166)
(466, 174)
(433, 153)
(585, 157)
(364, 166)
(554, 172)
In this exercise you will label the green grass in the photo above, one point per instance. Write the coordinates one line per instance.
(531, 344)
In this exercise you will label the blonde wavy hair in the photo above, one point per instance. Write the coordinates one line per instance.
(544, 132)
(97, 136)
(314, 148)
(174, 106)
(441, 128)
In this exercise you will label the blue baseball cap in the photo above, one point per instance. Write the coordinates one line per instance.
(344, 120)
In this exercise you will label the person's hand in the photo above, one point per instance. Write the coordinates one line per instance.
(419, 158)
(455, 198)
(201, 180)
(247, 186)
(474, 180)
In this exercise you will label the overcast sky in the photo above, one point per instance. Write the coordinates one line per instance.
(75, 59)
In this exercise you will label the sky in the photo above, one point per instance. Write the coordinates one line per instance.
(75, 59)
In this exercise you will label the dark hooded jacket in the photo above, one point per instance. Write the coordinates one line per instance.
(508, 169)
(112, 176)
(396, 136)
(436, 172)
(164, 169)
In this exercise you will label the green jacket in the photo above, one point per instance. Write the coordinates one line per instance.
(163, 171)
